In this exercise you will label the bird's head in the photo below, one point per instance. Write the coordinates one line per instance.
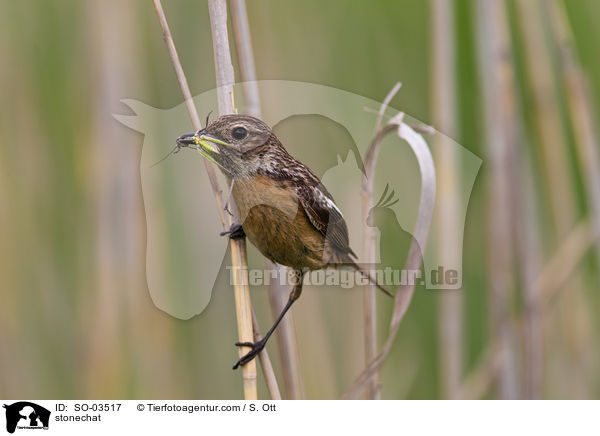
(232, 142)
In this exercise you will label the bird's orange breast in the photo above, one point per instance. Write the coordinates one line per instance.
(275, 222)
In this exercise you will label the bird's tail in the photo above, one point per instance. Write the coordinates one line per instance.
(358, 268)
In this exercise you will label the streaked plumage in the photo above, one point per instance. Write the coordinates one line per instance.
(285, 210)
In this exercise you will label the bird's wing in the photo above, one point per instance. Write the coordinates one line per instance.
(323, 213)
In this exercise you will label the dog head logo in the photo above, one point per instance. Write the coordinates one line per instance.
(26, 415)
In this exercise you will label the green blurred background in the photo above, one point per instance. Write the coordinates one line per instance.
(76, 318)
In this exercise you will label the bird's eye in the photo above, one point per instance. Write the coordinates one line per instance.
(239, 133)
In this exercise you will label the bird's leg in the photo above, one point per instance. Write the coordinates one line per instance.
(229, 198)
(258, 346)
(236, 231)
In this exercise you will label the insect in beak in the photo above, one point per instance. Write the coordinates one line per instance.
(200, 138)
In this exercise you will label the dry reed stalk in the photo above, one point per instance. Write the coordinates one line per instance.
(498, 102)
(224, 73)
(562, 265)
(426, 204)
(579, 105)
(479, 380)
(549, 283)
(243, 44)
(385, 104)
(120, 259)
(373, 389)
(243, 41)
(547, 120)
(286, 339)
(552, 139)
(528, 254)
(189, 102)
(265, 363)
(529, 261)
(225, 79)
(444, 109)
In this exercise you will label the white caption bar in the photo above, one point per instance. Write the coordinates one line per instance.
(153, 417)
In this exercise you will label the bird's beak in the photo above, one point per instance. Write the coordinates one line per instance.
(201, 141)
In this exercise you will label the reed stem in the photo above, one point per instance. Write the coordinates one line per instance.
(243, 42)
(225, 79)
(224, 71)
(444, 109)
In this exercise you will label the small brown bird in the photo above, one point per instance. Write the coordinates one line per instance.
(285, 210)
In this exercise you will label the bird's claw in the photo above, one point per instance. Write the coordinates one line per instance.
(256, 347)
(235, 232)
(244, 344)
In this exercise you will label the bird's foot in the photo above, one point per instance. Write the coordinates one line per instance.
(235, 232)
(257, 347)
